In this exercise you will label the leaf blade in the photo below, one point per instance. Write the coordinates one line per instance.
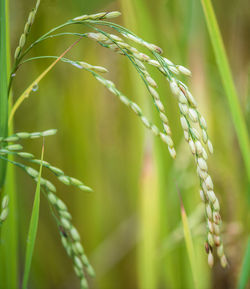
(228, 83)
(32, 229)
(245, 270)
(189, 243)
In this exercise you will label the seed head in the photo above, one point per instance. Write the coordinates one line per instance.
(186, 135)
(65, 223)
(199, 147)
(182, 98)
(183, 108)
(78, 262)
(184, 70)
(64, 179)
(5, 201)
(61, 205)
(209, 183)
(22, 40)
(204, 136)
(184, 123)
(203, 122)
(112, 14)
(193, 115)
(216, 228)
(172, 152)
(216, 205)
(52, 198)
(173, 69)
(25, 155)
(211, 196)
(204, 154)
(210, 239)
(32, 172)
(191, 98)
(75, 235)
(153, 92)
(210, 226)
(192, 146)
(217, 240)
(216, 218)
(167, 139)
(210, 147)
(168, 62)
(209, 212)
(210, 259)
(223, 261)
(17, 52)
(202, 164)
(4, 214)
(202, 195)
(174, 87)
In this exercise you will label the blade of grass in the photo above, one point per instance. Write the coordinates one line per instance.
(9, 248)
(35, 83)
(32, 229)
(245, 270)
(149, 225)
(9, 234)
(228, 83)
(189, 242)
(3, 81)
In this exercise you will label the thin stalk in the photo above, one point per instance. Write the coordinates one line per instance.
(3, 82)
(149, 225)
(33, 227)
(9, 236)
(228, 83)
(26, 93)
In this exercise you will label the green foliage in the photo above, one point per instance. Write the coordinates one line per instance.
(245, 270)
(3, 81)
(31, 238)
(228, 83)
(102, 137)
(189, 243)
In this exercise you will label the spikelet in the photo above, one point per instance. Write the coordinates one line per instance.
(198, 146)
(26, 31)
(4, 209)
(70, 239)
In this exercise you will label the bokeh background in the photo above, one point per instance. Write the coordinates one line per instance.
(131, 224)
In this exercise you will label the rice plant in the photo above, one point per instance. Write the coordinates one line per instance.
(143, 56)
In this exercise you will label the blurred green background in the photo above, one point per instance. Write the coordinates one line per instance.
(131, 224)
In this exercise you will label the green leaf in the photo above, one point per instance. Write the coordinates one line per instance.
(3, 81)
(9, 244)
(245, 270)
(227, 80)
(32, 229)
(189, 243)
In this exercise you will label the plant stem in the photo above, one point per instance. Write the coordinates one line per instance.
(3, 83)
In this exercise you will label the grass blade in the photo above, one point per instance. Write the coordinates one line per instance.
(227, 80)
(189, 242)
(245, 271)
(9, 235)
(32, 229)
(147, 249)
(3, 80)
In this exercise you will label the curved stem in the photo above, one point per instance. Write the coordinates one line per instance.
(26, 93)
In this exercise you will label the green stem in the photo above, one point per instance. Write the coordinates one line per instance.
(228, 83)
(3, 83)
